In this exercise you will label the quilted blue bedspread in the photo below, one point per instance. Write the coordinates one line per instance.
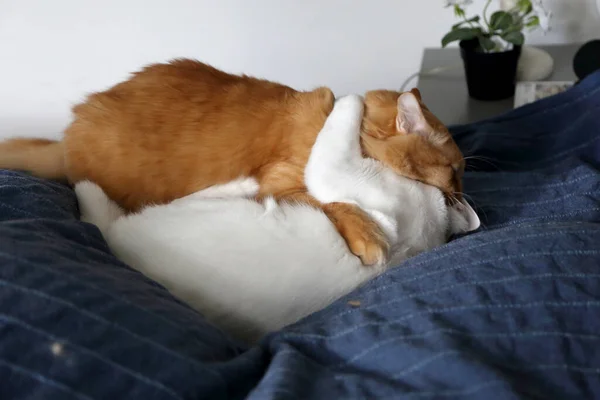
(511, 311)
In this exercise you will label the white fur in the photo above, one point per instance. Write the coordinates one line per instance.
(241, 187)
(252, 268)
(412, 214)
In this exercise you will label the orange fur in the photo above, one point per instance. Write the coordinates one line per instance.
(173, 129)
(429, 155)
(43, 156)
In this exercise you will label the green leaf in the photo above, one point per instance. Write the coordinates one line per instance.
(533, 21)
(514, 37)
(458, 11)
(486, 43)
(474, 19)
(510, 29)
(501, 20)
(525, 6)
(469, 21)
(460, 34)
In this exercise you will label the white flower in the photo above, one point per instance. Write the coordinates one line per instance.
(460, 3)
(539, 9)
(543, 13)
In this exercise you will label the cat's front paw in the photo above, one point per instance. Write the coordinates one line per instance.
(351, 104)
(371, 247)
(364, 237)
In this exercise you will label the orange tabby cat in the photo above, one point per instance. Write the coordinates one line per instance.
(175, 128)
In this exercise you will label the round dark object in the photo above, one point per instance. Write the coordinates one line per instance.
(587, 59)
(490, 76)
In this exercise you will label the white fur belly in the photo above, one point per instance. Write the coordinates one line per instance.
(248, 270)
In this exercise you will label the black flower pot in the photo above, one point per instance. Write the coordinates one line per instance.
(490, 76)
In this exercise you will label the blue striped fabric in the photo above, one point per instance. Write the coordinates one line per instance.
(510, 311)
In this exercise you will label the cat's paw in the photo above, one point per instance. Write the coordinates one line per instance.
(90, 198)
(372, 249)
(350, 105)
(95, 206)
(364, 237)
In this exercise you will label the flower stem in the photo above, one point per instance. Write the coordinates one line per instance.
(485, 19)
(469, 22)
(472, 25)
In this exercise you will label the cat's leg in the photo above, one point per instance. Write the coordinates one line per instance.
(339, 139)
(364, 237)
(95, 206)
(336, 161)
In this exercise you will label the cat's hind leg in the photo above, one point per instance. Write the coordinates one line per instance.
(95, 206)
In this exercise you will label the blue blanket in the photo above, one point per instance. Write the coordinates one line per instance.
(510, 311)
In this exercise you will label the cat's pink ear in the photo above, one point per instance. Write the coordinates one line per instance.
(410, 118)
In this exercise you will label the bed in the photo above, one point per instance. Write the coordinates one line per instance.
(510, 311)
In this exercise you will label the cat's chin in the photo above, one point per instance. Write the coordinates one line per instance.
(462, 219)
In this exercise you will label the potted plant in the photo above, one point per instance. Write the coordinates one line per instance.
(490, 45)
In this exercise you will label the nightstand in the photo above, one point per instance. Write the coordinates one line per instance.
(445, 93)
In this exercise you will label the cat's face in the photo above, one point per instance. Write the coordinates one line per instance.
(401, 132)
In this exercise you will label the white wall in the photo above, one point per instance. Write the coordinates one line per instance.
(53, 52)
(573, 21)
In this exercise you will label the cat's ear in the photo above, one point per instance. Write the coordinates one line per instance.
(417, 94)
(410, 118)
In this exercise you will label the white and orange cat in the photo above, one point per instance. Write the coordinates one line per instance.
(254, 267)
(175, 128)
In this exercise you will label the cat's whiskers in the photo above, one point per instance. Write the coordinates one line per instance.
(465, 195)
(472, 168)
(484, 159)
(453, 199)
